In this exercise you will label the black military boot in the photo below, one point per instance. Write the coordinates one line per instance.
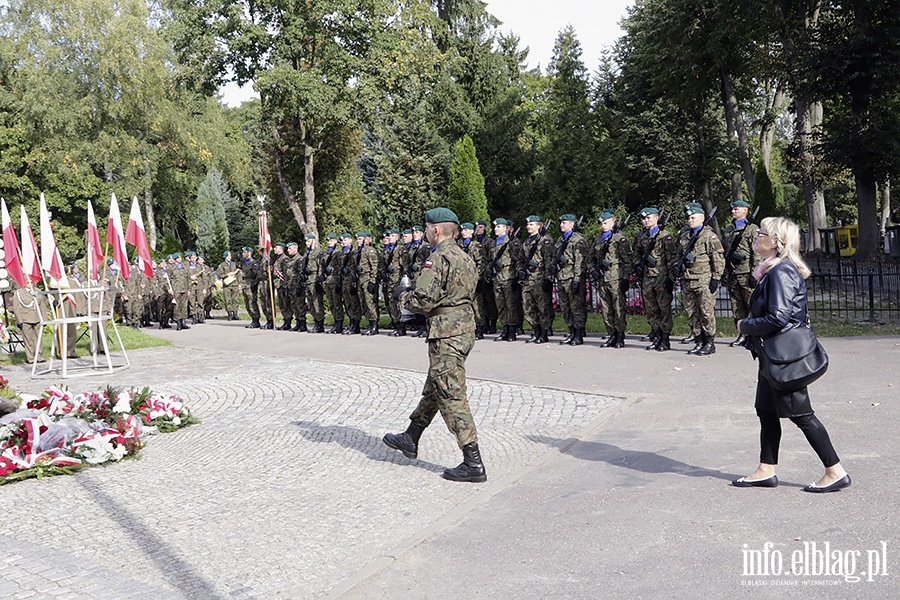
(738, 341)
(578, 338)
(471, 469)
(569, 337)
(504, 335)
(491, 327)
(479, 332)
(620, 340)
(178, 325)
(535, 335)
(406, 442)
(355, 330)
(690, 339)
(254, 324)
(338, 327)
(663, 343)
(700, 339)
(372, 329)
(268, 325)
(513, 331)
(655, 339)
(184, 325)
(709, 346)
(286, 326)
(301, 326)
(399, 330)
(319, 326)
(611, 338)
(544, 337)
(422, 333)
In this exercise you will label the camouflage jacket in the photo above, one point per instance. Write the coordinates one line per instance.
(741, 257)
(180, 279)
(475, 251)
(707, 260)
(293, 266)
(655, 259)
(571, 257)
(331, 264)
(367, 264)
(444, 292)
(538, 258)
(611, 258)
(279, 269)
(507, 258)
(249, 272)
(225, 269)
(313, 263)
(392, 261)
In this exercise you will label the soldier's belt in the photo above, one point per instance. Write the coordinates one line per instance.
(446, 310)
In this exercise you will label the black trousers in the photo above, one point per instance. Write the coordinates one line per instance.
(812, 428)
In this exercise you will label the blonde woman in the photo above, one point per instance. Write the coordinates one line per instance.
(779, 304)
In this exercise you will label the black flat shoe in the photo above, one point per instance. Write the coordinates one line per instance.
(831, 487)
(768, 482)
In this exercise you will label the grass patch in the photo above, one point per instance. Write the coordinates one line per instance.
(132, 339)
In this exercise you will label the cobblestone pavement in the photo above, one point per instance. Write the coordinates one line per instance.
(284, 490)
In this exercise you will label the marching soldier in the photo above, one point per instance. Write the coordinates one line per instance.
(476, 252)
(505, 263)
(611, 267)
(655, 254)
(332, 272)
(249, 285)
(700, 267)
(571, 265)
(227, 272)
(312, 266)
(740, 261)
(536, 279)
(350, 285)
(367, 269)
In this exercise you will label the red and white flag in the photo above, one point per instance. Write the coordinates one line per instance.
(94, 250)
(51, 261)
(265, 240)
(137, 237)
(29, 251)
(116, 238)
(11, 248)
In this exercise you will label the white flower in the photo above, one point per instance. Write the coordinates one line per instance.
(176, 420)
(123, 403)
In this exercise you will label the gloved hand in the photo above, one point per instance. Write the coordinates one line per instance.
(670, 285)
(370, 287)
(595, 275)
(399, 290)
(320, 279)
(624, 284)
(522, 274)
(547, 286)
(577, 288)
(713, 285)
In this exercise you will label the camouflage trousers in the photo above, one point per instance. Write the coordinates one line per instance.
(445, 387)
(250, 302)
(573, 307)
(368, 301)
(536, 303)
(699, 306)
(265, 300)
(351, 301)
(393, 306)
(196, 297)
(657, 304)
(478, 308)
(740, 287)
(285, 297)
(505, 295)
(335, 301)
(230, 297)
(489, 301)
(297, 302)
(182, 300)
(315, 301)
(612, 298)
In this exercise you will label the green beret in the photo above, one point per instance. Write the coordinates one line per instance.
(110, 261)
(176, 255)
(468, 226)
(694, 208)
(282, 244)
(347, 235)
(500, 221)
(394, 230)
(648, 211)
(247, 249)
(441, 215)
(510, 222)
(534, 219)
(189, 253)
(289, 244)
(481, 222)
(418, 228)
(567, 217)
(310, 236)
(363, 234)
(739, 203)
(407, 232)
(226, 253)
(331, 236)
(606, 214)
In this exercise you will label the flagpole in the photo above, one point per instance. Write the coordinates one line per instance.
(263, 242)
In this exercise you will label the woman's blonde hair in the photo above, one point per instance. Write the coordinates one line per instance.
(786, 236)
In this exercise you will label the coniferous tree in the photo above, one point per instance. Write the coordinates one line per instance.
(211, 226)
(466, 192)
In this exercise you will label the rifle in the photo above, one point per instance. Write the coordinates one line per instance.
(561, 259)
(647, 260)
(687, 254)
(731, 261)
(603, 264)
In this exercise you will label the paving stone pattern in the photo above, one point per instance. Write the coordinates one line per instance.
(285, 490)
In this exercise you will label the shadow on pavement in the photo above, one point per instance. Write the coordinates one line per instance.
(177, 571)
(637, 460)
(361, 441)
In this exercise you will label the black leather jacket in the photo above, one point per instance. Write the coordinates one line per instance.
(778, 303)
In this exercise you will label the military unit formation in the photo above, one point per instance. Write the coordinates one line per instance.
(517, 280)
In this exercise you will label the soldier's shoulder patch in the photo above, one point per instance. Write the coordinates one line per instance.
(713, 236)
(428, 263)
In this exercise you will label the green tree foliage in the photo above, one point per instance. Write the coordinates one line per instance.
(210, 224)
(466, 191)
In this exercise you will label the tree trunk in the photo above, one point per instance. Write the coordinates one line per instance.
(150, 222)
(808, 117)
(866, 198)
(767, 131)
(736, 187)
(885, 204)
(734, 117)
(285, 184)
(309, 188)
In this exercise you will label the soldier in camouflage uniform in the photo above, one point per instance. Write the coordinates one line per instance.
(313, 264)
(350, 285)
(164, 294)
(420, 250)
(196, 290)
(131, 301)
(227, 272)
(655, 254)
(536, 279)
(517, 309)
(279, 269)
(700, 269)
(740, 261)
(181, 286)
(392, 264)
(249, 285)
(571, 259)
(611, 262)
(294, 289)
(331, 269)
(504, 265)
(209, 280)
(269, 283)
(485, 287)
(443, 293)
(367, 267)
(476, 252)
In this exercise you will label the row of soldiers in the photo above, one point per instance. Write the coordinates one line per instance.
(516, 278)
